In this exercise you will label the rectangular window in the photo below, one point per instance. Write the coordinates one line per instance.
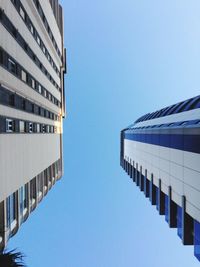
(33, 190)
(9, 125)
(38, 40)
(11, 209)
(40, 88)
(30, 127)
(43, 128)
(24, 76)
(12, 66)
(32, 83)
(22, 13)
(23, 198)
(21, 126)
(38, 127)
(31, 28)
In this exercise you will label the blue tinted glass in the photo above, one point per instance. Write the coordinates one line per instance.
(197, 240)
(157, 198)
(179, 222)
(166, 209)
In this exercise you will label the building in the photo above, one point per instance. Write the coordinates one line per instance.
(32, 107)
(161, 153)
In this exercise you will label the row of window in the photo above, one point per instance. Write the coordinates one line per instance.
(190, 104)
(29, 195)
(180, 125)
(188, 229)
(16, 69)
(47, 27)
(16, 101)
(22, 12)
(18, 37)
(11, 125)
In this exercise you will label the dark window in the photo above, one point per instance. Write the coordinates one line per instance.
(12, 66)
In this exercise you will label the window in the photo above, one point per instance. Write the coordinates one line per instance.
(31, 28)
(44, 50)
(21, 126)
(43, 128)
(38, 127)
(30, 127)
(22, 13)
(24, 76)
(9, 125)
(23, 192)
(11, 100)
(32, 83)
(12, 66)
(45, 93)
(11, 209)
(38, 40)
(40, 88)
(33, 191)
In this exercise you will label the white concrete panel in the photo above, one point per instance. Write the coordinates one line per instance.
(191, 160)
(165, 177)
(191, 178)
(192, 195)
(176, 171)
(25, 156)
(176, 156)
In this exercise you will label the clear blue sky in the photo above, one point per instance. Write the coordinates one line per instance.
(125, 58)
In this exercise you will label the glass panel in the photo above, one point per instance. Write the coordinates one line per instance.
(197, 240)
(166, 209)
(179, 222)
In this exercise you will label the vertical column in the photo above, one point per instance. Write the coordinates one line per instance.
(187, 225)
(146, 185)
(161, 200)
(172, 210)
(152, 191)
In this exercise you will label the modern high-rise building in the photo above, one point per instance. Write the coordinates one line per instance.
(161, 153)
(32, 107)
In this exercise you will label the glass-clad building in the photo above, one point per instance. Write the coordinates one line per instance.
(161, 154)
(32, 107)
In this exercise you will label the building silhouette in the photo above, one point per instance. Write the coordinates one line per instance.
(32, 107)
(161, 153)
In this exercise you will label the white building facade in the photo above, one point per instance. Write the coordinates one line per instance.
(161, 153)
(32, 107)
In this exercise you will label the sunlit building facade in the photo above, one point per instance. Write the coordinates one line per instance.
(161, 153)
(32, 107)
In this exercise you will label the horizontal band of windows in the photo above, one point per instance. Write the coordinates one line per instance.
(47, 27)
(18, 37)
(16, 101)
(13, 125)
(186, 105)
(11, 65)
(173, 125)
(29, 24)
(190, 143)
